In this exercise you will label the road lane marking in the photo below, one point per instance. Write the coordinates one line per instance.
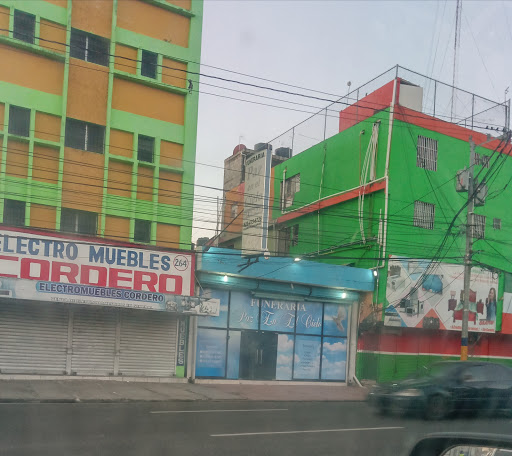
(309, 431)
(219, 411)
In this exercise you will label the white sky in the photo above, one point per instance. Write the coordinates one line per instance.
(321, 45)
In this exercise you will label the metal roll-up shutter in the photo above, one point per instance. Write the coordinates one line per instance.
(94, 341)
(148, 344)
(33, 338)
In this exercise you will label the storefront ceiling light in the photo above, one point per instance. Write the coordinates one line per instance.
(343, 295)
(375, 273)
(225, 278)
(297, 259)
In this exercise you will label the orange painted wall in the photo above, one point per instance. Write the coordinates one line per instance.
(145, 183)
(172, 76)
(150, 20)
(117, 228)
(119, 178)
(17, 158)
(47, 127)
(185, 4)
(94, 16)
(45, 165)
(149, 102)
(55, 34)
(17, 67)
(121, 143)
(234, 197)
(87, 93)
(169, 188)
(171, 154)
(82, 184)
(167, 235)
(4, 21)
(43, 216)
(2, 118)
(130, 66)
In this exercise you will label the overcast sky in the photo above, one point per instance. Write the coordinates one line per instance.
(323, 45)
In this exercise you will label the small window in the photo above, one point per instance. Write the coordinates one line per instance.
(80, 222)
(24, 26)
(234, 211)
(426, 156)
(149, 64)
(89, 47)
(85, 136)
(496, 224)
(145, 148)
(478, 226)
(424, 214)
(291, 186)
(142, 232)
(19, 121)
(14, 212)
(482, 160)
(295, 235)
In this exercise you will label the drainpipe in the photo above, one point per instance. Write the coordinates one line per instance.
(354, 322)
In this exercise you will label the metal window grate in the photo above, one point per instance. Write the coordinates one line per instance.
(89, 47)
(496, 224)
(142, 231)
(149, 63)
(85, 136)
(426, 156)
(424, 214)
(295, 235)
(482, 160)
(24, 26)
(14, 212)
(145, 149)
(291, 186)
(81, 222)
(19, 121)
(478, 226)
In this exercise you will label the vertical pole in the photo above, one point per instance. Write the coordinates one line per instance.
(435, 94)
(293, 138)
(467, 257)
(472, 111)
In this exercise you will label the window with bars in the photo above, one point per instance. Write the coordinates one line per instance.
(424, 214)
(14, 212)
(85, 136)
(478, 226)
(496, 224)
(146, 149)
(295, 235)
(142, 231)
(89, 47)
(482, 160)
(291, 186)
(149, 64)
(24, 27)
(19, 121)
(80, 222)
(426, 156)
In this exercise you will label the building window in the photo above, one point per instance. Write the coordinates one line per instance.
(295, 235)
(89, 47)
(478, 226)
(290, 187)
(496, 224)
(19, 121)
(85, 136)
(142, 232)
(14, 212)
(145, 148)
(424, 214)
(234, 211)
(80, 222)
(149, 64)
(426, 153)
(24, 26)
(482, 160)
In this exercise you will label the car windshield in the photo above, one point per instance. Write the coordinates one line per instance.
(435, 370)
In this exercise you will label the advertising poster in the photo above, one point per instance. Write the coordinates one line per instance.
(182, 346)
(307, 357)
(309, 321)
(211, 352)
(434, 300)
(244, 311)
(234, 354)
(506, 321)
(59, 269)
(334, 359)
(335, 320)
(284, 363)
(221, 319)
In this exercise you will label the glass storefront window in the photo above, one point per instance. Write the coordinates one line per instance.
(211, 352)
(233, 354)
(334, 358)
(243, 311)
(222, 320)
(335, 320)
(284, 363)
(278, 316)
(309, 318)
(307, 358)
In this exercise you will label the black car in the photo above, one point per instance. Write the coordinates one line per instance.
(447, 387)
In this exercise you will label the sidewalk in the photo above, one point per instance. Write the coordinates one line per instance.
(76, 390)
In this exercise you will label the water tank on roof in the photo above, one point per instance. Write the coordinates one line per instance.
(285, 152)
(261, 146)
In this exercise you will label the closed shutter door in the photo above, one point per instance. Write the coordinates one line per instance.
(94, 340)
(148, 344)
(33, 338)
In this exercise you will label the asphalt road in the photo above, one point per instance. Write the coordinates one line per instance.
(216, 428)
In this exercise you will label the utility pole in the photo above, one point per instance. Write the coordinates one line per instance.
(468, 255)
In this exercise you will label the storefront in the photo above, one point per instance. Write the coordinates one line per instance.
(278, 320)
(83, 307)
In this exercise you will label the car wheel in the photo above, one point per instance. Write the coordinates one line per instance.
(436, 408)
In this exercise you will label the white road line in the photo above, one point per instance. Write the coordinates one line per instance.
(219, 411)
(310, 431)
